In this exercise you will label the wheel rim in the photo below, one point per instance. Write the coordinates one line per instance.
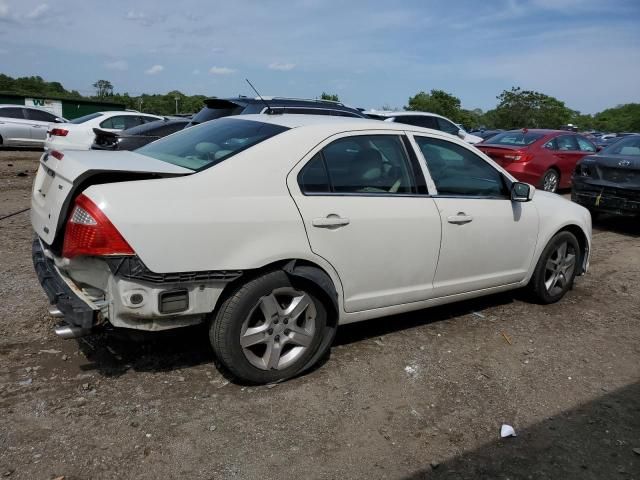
(559, 268)
(279, 329)
(550, 183)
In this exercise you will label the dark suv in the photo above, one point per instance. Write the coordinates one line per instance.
(224, 107)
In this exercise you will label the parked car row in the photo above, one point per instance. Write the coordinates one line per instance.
(25, 126)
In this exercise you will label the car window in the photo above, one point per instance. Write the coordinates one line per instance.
(551, 144)
(517, 138)
(167, 129)
(121, 122)
(585, 145)
(149, 119)
(455, 170)
(371, 164)
(423, 121)
(626, 146)
(11, 112)
(447, 126)
(210, 143)
(86, 118)
(39, 115)
(567, 143)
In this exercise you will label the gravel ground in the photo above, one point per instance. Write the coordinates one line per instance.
(413, 396)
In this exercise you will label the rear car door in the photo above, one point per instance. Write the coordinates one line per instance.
(487, 240)
(39, 122)
(366, 211)
(568, 153)
(14, 127)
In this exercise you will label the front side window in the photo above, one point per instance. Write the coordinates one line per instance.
(369, 164)
(567, 143)
(585, 145)
(40, 116)
(11, 112)
(457, 171)
(208, 144)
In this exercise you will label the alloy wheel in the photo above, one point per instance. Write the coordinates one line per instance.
(550, 181)
(279, 329)
(559, 268)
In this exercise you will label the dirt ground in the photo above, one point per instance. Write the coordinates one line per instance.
(406, 397)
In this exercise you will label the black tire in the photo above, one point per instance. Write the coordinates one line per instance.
(546, 182)
(242, 305)
(538, 285)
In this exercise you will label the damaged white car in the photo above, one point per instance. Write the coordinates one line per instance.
(276, 229)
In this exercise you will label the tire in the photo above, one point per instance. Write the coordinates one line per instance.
(555, 272)
(275, 348)
(550, 180)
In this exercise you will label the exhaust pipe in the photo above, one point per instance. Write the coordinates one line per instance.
(55, 313)
(67, 331)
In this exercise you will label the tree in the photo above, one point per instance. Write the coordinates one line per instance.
(329, 96)
(103, 88)
(437, 101)
(519, 108)
(623, 118)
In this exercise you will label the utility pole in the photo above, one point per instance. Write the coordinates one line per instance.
(176, 98)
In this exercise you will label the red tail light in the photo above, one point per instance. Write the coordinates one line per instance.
(56, 154)
(58, 132)
(518, 156)
(89, 232)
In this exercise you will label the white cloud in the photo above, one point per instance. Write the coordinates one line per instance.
(154, 70)
(221, 71)
(4, 9)
(37, 12)
(118, 65)
(283, 67)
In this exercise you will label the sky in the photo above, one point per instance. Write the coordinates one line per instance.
(371, 53)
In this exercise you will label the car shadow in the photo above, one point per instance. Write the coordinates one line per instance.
(596, 440)
(624, 225)
(114, 352)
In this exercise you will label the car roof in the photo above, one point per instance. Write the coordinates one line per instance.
(390, 114)
(283, 101)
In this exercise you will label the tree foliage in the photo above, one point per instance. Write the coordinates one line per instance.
(35, 86)
(104, 88)
(623, 118)
(329, 96)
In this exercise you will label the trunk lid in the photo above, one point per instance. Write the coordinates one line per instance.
(63, 175)
(501, 154)
(618, 169)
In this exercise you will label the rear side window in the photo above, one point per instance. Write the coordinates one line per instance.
(459, 172)
(366, 164)
(39, 115)
(11, 112)
(215, 110)
(447, 127)
(567, 143)
(121, 122)
(203, 146)
(585, 145)
(423, 121)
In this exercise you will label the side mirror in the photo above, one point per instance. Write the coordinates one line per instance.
(462, 134)
(522, 192)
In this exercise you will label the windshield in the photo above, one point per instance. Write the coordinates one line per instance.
(216, 109)
(86, 118)
(205, 145)
(626, 146)
(515, 138)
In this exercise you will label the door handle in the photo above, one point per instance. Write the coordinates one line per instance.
(330, 221)
(460, 219)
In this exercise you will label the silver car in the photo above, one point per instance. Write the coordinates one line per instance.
(25, 126)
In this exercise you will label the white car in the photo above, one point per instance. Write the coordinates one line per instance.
(275, 229)
(22, 126)
(425, 120)
(78, 134)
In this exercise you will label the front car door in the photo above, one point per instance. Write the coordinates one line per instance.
(365, 207)
(14, 127)
(568, 153)
(39, 122)
(487, 240)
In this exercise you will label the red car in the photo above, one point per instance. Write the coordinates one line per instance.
(544, 158)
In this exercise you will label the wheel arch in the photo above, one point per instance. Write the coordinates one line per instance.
(583, 242)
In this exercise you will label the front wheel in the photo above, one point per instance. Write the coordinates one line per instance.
(268, 330)
(556, 269)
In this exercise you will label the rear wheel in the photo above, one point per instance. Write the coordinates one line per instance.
(268, 329)
(556, 269)
(550, 180)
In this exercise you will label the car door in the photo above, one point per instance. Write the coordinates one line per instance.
(39, 122)
(366, 211)
(14, 127)
(568, 153)
(487, 240)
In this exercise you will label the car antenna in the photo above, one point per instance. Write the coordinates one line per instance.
(269, 111)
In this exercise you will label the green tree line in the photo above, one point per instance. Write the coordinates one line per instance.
(516, 108)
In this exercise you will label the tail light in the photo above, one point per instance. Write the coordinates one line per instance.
(518, 156)
(56, 154)
(58, 132)
(89, 232)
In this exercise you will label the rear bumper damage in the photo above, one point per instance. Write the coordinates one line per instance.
(607, 199)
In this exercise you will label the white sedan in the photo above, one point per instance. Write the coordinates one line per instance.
(274, 230)
(78, 134)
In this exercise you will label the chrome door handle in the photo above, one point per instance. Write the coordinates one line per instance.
(330, 221)
(460, 219)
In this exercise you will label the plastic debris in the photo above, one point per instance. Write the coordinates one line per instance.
(477, 314)
(507, 431)
(411, 370)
